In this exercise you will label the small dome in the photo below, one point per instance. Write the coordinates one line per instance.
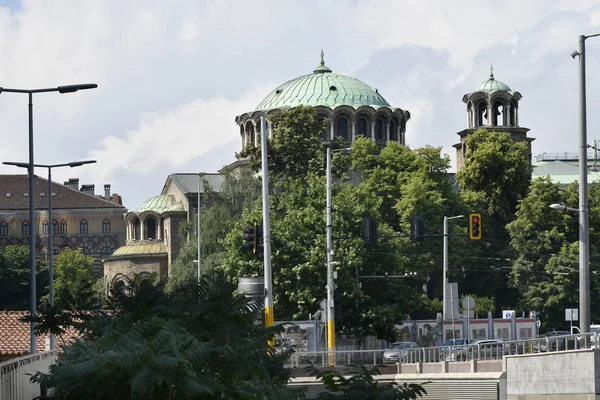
(492, 85)
(323, 88)
(160, 204)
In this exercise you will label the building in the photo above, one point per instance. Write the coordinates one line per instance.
(494, 106)
(80, 219)
(352, 107)
(153, 238)
(563, 168)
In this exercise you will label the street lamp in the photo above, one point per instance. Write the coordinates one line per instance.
(445, 280)
(71, 164)
(31, 194)
(562, 207)
(584, 243)
(330, 284)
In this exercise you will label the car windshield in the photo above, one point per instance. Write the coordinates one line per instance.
(404, 345)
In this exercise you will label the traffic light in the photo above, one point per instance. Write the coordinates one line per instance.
(475, 226)
(250, 238)
(417, 228)
(370, 230)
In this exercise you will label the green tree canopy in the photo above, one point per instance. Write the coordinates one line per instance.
(15, 275)
(74, 281)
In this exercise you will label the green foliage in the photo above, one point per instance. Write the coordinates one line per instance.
(547, 244)
(15, 275)
(363, 385)
(74, 283)
(198, 342)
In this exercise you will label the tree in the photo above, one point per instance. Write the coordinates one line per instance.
(74, 281)
(546, 241)
(15, 274)
(197, 342)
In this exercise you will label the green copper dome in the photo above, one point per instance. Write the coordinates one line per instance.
(323, 88)
(492, 85)
(160, 204)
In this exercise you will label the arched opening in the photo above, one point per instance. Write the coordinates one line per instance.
(63, 227)
(513, 113)
(342, 128)
(106, 251)
(150, 228)
(482, 114)
(361, 127)
(25, 228)
(393, 133)
(250, 134)
(54, 226)
(83, 226)
(137, 228)
(106, 226)
(498, 109)
(45, 227)
(3, 229)
(379, 131)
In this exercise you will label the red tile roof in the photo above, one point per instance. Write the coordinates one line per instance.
(15, 335)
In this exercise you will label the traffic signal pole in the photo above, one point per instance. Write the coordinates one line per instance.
(330, 283)
(266, 229)
(445, 280)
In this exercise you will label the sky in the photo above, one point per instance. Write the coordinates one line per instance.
(173, 75)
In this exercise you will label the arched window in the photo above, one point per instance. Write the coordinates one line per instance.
(106, 251)
(393, 133)
(83, 226)
(25, 228)
(106, 226)
(361, 127)
(54, 226)
(379, 130)
(342, 128)
(45, 227)
(151, 228)
(55, 251)
(137, 230)
(85, 248)
(3, 229)
(63, 227)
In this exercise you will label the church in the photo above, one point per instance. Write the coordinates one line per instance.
(351, 107)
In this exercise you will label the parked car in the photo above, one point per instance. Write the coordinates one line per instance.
(454, 349)
(401, 352)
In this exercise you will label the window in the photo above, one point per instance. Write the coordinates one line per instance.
(106, 251)
(54, 226)
(45, 228)
(379, 130)
(55, 251)
(63, 227)
(150, 228)
(361, 127)
(106, 226)
(136, 229)
(83, 226)
(478, 333)
(25, 228)
(85, 248)
(3, 229)
(342, 128)
(502, 333)
(393, 132)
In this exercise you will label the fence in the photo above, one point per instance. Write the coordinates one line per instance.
(15, 374)
(479, 350)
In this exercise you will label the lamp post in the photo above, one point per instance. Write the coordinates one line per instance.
(330, 283)
(445, 279)
(71, 164)
(584, 245)
(31, 194)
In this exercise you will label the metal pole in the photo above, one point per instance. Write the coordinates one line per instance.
(330, 298)
(445, 279)
(32, 282)
(584, 282)
(269, 317)
(50, 252)
(199, 226)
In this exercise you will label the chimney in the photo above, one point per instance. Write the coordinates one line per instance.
(117, 199)
(107, 191)
(72, 183)
(88, 189)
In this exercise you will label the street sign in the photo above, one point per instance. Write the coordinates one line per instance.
(572, 314)
(508, 314)
(468, 303)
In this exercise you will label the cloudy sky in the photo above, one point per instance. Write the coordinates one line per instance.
(172, 75)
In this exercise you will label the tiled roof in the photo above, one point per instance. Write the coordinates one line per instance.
(141, 248)
(14, 187)
(15, 335)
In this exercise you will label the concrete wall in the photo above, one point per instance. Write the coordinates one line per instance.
(559, 375)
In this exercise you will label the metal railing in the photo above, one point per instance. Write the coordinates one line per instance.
(492, 350)
(15, 374)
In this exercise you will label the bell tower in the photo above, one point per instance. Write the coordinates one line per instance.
(493, 106)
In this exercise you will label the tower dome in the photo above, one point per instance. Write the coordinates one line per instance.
(492, 85)
(352, 107)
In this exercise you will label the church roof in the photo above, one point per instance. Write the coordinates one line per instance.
(492, 85)
(160, 204)
(323, 88)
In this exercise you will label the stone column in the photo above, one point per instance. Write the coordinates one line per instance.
(489, 114)
(331, 130)
(387, 132)
(507, 112)
(353, 131)
(372, 130)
